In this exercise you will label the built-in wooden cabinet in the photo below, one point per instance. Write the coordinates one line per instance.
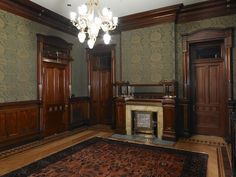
(18, 122)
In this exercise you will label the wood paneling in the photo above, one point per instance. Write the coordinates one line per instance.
(19, 121)
(169, 119)
(148, 18)
(183, 122)
(79, 110)
(208, 36)
(54, 83)
(205, 10)
(209, 101)
(101, 75)
(119, 115)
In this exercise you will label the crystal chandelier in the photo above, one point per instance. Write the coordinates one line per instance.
(90, 19)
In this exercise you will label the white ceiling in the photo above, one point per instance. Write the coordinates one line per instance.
(118, 7)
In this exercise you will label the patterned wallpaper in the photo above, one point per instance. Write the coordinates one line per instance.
(220, 22)
(18, 58)
(148, 54)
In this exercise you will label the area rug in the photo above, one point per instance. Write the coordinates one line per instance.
(99, 157)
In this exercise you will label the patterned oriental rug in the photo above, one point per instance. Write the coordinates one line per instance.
(99, 157)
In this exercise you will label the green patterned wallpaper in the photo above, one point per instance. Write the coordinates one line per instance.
(148, 54)
(219, 22)
(18, 58)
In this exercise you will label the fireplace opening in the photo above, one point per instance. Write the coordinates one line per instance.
(144, 123)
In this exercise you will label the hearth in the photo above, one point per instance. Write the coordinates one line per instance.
(144, 123)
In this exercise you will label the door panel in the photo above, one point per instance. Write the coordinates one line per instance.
(101, 92)
(54, 96)
(209, 99)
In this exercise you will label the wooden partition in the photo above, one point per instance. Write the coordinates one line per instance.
(79, 111)
(19, 122)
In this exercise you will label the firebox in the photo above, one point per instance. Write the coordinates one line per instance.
(145, 123)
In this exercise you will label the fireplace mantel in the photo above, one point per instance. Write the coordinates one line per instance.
(165, 109)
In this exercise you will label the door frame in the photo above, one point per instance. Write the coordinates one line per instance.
(203, 35)
(42, 41)
(101, 48)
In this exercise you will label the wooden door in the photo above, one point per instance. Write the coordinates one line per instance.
(101, 88)
(209, 95)
(55, 98)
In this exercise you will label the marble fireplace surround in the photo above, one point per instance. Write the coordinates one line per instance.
(144, 106)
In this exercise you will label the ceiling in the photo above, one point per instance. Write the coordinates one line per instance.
(118, 7)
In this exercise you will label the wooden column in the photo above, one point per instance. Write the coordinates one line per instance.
(120, 118)
(169, 121)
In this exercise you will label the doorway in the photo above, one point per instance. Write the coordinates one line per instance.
(54, 83)
(101, 69)
(207, 81)
(208, 88)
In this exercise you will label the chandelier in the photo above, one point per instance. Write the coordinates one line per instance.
(90, 19)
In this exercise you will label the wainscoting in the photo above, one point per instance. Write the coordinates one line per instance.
(79, 110)
(19, 121)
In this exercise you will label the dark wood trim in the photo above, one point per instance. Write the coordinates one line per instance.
(19, 122)
(207, 35)
(77, 99)
(79, 111)
(169, 119)
(176, 13)
(183, 122)
(101, 48)
(204, 10)
(37, 13)
(148, 18)
(203, 35)
(19, 104)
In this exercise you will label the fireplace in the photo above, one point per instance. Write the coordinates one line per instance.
(153, 126)
(144, 123)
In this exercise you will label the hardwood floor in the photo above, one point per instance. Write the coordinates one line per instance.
(17, 160)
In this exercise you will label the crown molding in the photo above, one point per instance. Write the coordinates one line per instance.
(149, 18)
(176, 13)
(204, 10)
(37, 13)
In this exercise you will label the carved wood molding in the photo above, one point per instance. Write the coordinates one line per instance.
(18, 104)
(148, 18)
(205, 10)
(176, 13)
(202, 35)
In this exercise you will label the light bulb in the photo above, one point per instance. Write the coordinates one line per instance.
(94, 29)
(82, 9)
(81, 36)
(72, 16)
(105, 11)
(109, 15)
(106, 38)
(91, 43)
(98, 21)
(115, 20)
